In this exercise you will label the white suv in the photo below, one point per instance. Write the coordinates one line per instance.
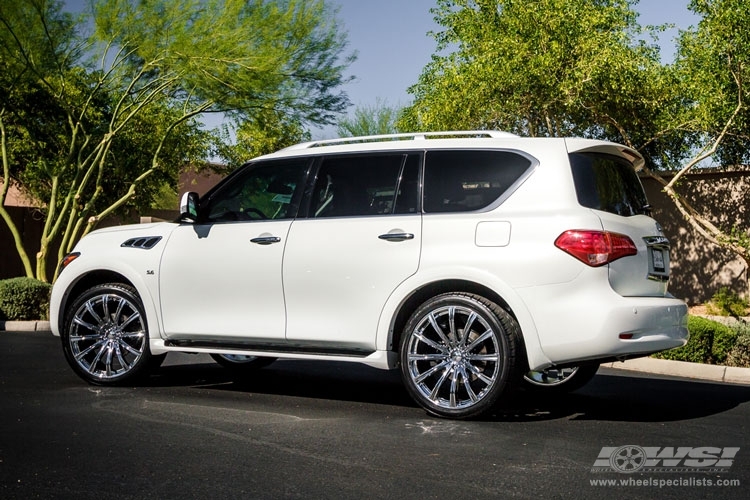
(473, 261)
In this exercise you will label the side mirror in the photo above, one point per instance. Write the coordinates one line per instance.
(189, 206)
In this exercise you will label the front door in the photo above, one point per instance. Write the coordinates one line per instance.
(220, 277)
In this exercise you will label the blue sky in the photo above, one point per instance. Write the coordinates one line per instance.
(390, 37)
(391, 40)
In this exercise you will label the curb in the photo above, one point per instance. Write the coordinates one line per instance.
(697, 371)
(24, 326)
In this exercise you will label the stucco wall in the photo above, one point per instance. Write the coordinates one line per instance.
(700, 268)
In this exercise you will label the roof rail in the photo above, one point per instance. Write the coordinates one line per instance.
(494, 134)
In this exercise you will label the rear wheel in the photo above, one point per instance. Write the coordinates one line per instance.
(458, 354)
(105, 336)
(560, 379)
(241, 362)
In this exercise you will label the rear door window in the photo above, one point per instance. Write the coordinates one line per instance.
(468, 180)
(608, 183)
(365, 185)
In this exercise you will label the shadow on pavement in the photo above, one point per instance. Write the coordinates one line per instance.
(609, 397)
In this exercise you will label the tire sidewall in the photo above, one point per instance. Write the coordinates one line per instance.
(506, 332)
(144, 363)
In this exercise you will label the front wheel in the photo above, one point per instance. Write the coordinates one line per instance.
(458, 354)
(560, 379)
(105, 336)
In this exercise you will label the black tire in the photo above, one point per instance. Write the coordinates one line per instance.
(241, 363)
(458, 355)
(105, 336)
(559, 380)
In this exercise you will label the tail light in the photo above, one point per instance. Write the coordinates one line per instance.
(595, 248)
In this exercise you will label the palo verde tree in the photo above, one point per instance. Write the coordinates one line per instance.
(129, 70)
(264, 132)
(713, 67)
(378, 119)
(587, 68)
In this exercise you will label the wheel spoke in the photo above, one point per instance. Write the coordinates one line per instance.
(439, 384)
(118, 312)
(480, 374)
(483, 357)
(441, 348)
(427, 357)
(467, 328)
(90, 308)
(452, 334)
(78, 321)
(424, 376)
(467, 385)
(105, 307)
(108, 361)
(129, 348)
(438, 329)
(130, 319)
(93, 346)
(79, 338)
(92, 366)
(454, 386)
(486, 335)
(120, 359)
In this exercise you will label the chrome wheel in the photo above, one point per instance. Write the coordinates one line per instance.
(105, 338)
(550, 376)
(455, 354)
(242, 362)
(560, 379)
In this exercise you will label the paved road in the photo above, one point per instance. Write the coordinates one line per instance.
(329, 430)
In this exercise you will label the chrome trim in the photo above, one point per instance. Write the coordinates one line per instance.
(144, 242)
(396, 236)
(656, 241)
(265, 240)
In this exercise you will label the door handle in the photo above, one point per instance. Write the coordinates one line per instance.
(396, 236)
(265, 240)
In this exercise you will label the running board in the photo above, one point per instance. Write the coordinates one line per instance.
(286, 348)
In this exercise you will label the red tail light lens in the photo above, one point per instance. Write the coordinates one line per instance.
(595, 248)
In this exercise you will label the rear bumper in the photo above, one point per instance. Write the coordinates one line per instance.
(588, 326)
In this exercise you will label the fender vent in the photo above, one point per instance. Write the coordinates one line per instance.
(146, 243)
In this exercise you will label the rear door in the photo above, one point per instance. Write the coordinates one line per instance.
(361, 239)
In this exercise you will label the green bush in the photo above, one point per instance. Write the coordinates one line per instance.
(710, 342)
(739, 355)
(24, 299)
(727, 303)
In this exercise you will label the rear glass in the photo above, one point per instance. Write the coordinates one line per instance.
(465, 180)
(608, 183)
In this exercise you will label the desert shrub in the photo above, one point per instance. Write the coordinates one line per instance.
(24, 299)
(739, 355)
(727, 303)
(710, 342)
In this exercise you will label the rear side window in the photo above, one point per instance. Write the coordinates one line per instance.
(608, 183)
(365, 185)
(465, 180)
